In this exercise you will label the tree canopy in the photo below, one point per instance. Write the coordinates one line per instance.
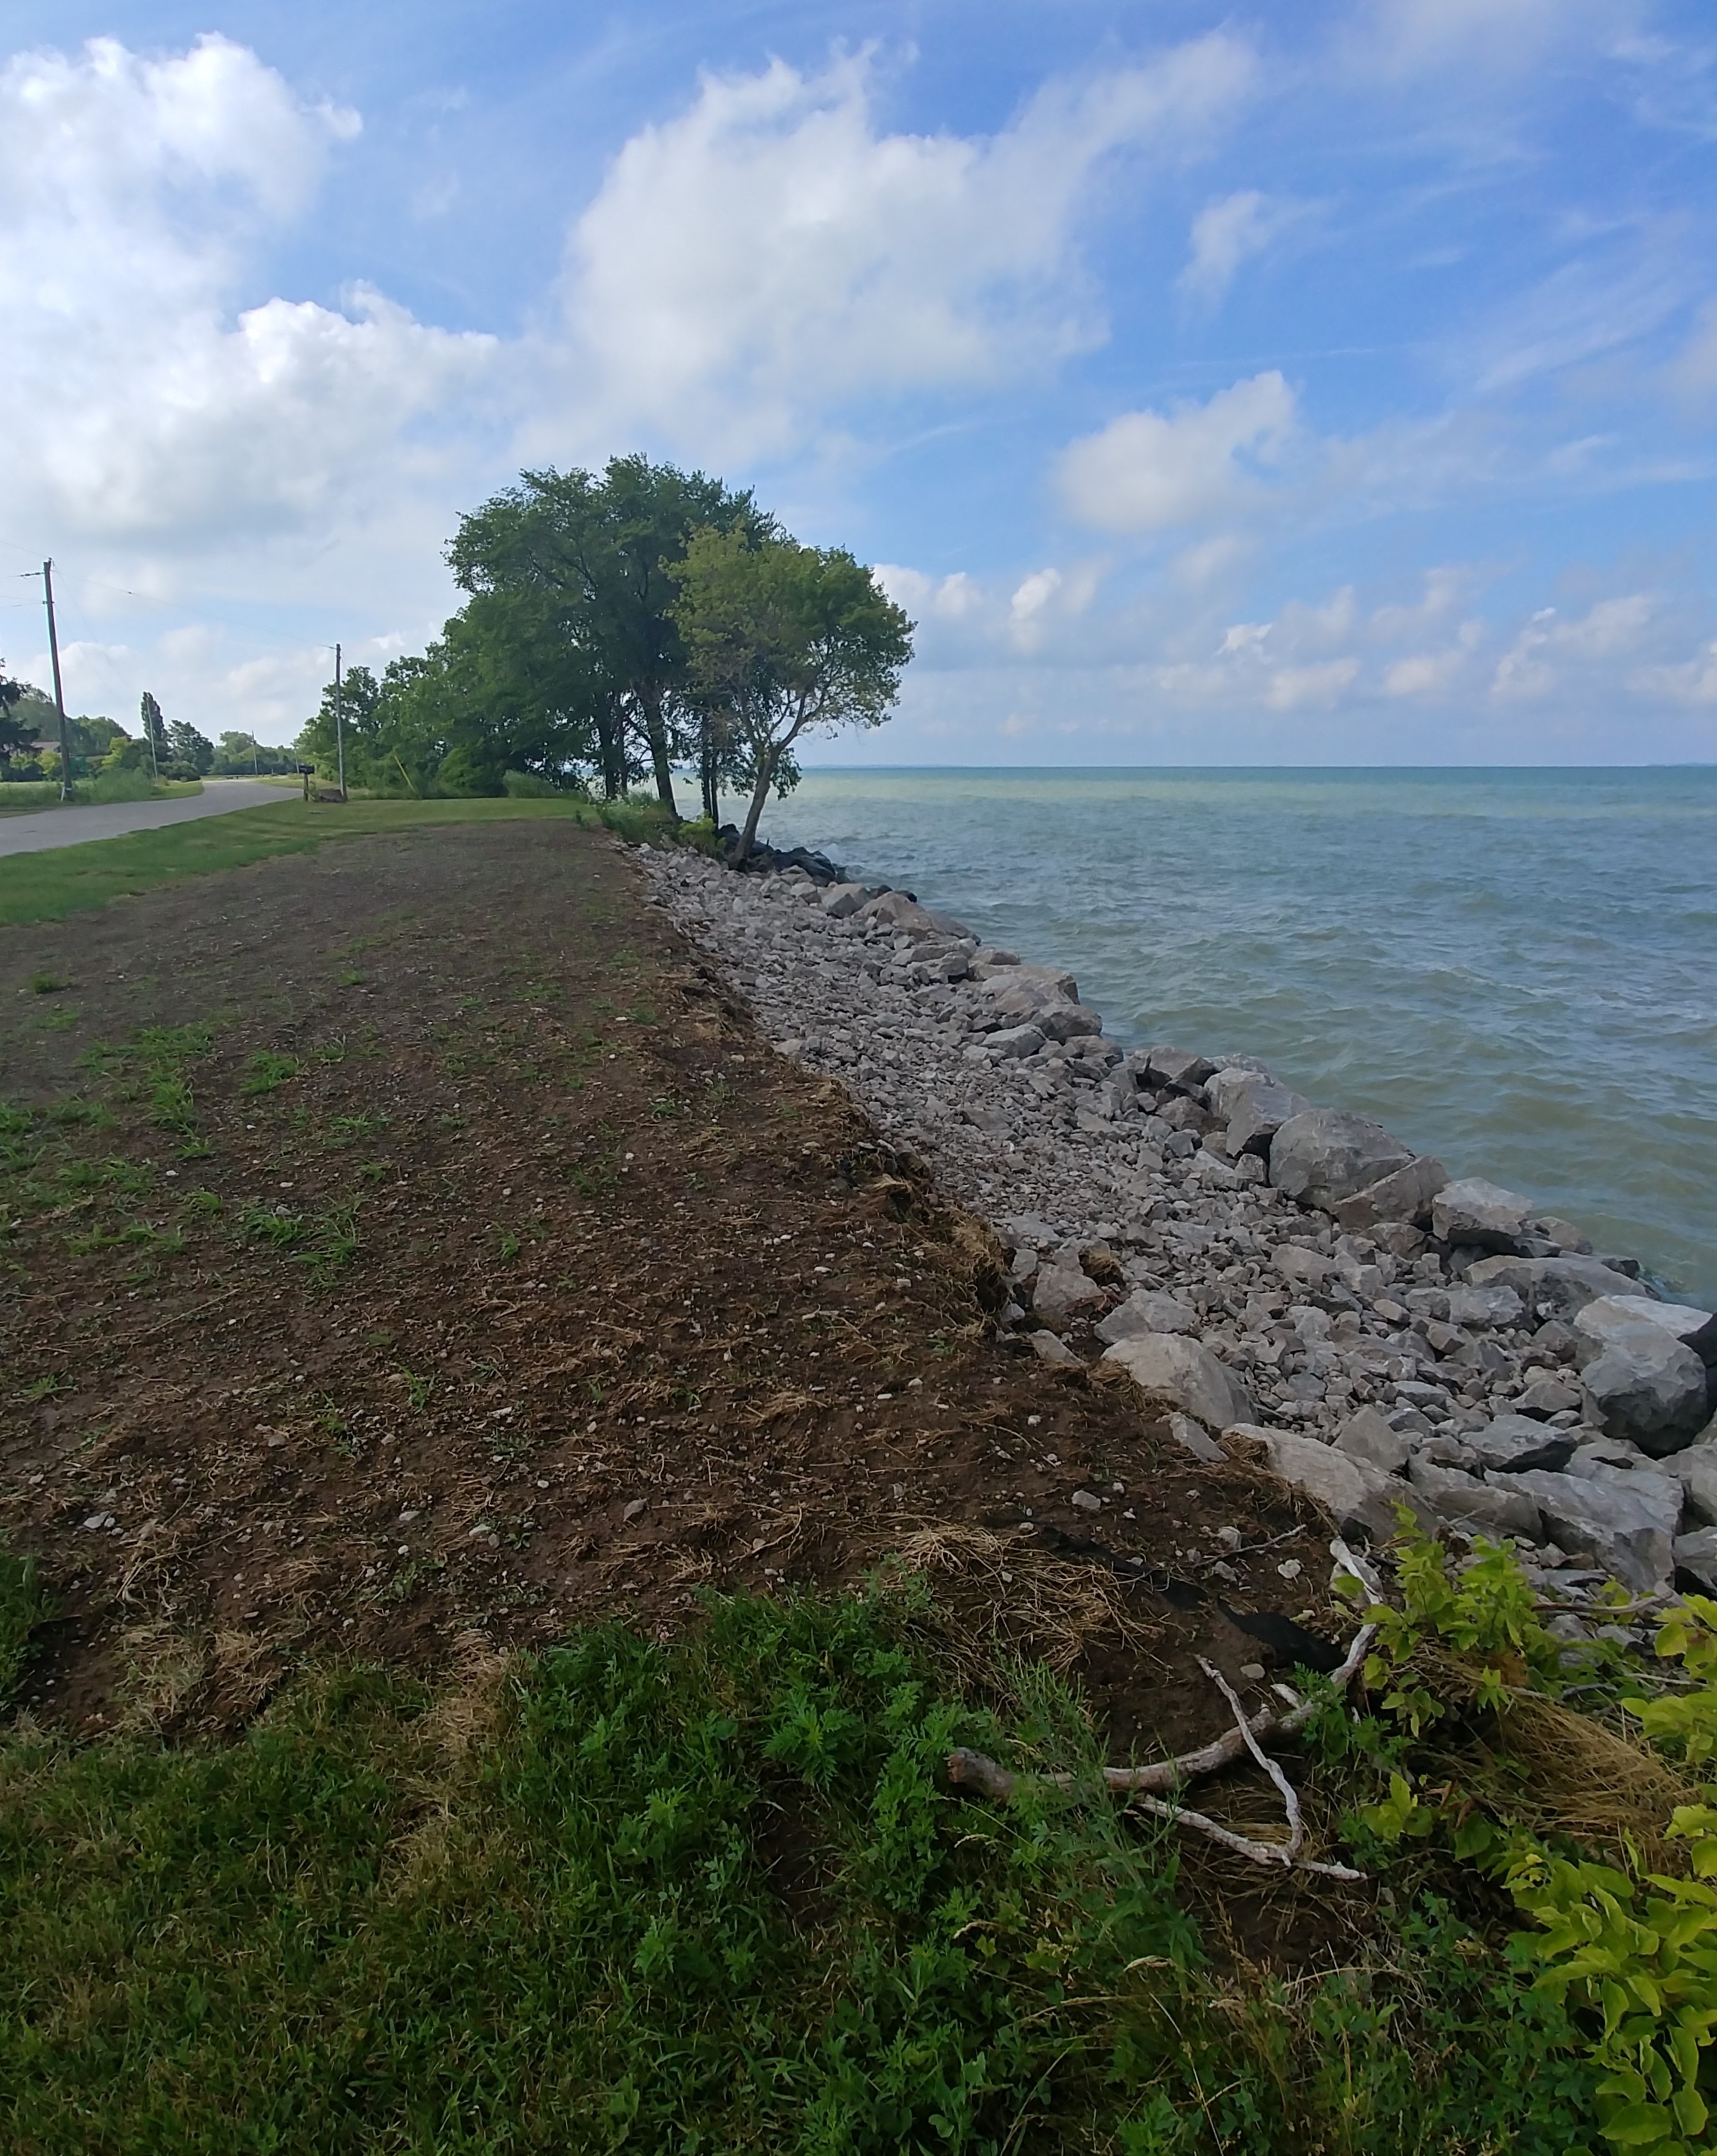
(784, 640)
(576, 659)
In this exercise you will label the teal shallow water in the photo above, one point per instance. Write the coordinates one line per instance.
(1515, 970)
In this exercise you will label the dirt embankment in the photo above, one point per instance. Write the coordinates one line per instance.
(414, 1240)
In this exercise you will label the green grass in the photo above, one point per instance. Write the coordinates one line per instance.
(700, 1898)
(22, 1606)
(63, 880)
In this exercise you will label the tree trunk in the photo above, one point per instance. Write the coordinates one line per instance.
(611, 744)
(707, 759)
(759, 795)
(656, 732)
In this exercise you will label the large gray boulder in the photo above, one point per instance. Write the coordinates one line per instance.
(1147, 1310)
(899, 909)
(1223, 1087)
(1563, 1285)
(1069, 1021)
(1514, 1444)
(1485, 1306)
(1366, 1436)
(1360, 1498)
(1696, 1471)
(840, 900)
(1324, 1155)
(1179, 1067)
(1475, 1211)
(1047, 984)
(1404, 1195)
(1062, 1290)
(1481, 1508)
(1258, 1108)
(1168, 1367)
(1697, 1553)
(1598, 1520)
(1013, 1042)
(1641, 1381)
(1693, 1327)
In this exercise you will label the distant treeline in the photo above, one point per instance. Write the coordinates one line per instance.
(100, 747)
(616, 629)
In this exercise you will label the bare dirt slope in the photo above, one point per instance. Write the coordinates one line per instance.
(413, 1241)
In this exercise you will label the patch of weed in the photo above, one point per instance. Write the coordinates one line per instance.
(342, 1131)
(43, 984)
(267, 1071)
(23, 1607)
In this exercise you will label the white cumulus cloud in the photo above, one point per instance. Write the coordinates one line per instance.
(1150, 471)
(771, 253)
(133, 192)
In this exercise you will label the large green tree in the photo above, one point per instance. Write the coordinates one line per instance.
(786, 640)
(595, 556)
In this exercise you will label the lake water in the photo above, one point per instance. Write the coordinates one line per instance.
(1515, 970)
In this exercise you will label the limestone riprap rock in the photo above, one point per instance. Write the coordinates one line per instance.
(1168, 1367)
(1596, 1519)
(1460, 1500)
(1366, 1436)
(1061, 1290)
(1565, 1284)
(1360, 1498)
(1485, 1306)
(1513, 1444)
(1697, 1553)
(901, 910)
(1404, 1196)
(1323, 1155)
(1696, 1471)
(1048, 983)
(1256, 1109)
(1147, 1310)
(1179, 1067)
(1547, 1396)
(1693, 1327)
(1014, 1042)
(1641, 1380)
(1475, 1211)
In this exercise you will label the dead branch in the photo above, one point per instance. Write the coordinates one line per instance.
(1259, 1852)
(976, 1770)
(1296, 1826)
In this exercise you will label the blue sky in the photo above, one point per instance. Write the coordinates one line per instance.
(1328, 384)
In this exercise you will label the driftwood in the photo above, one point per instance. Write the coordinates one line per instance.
(977, 1770)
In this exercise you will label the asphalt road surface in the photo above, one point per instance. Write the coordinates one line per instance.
(27, 831)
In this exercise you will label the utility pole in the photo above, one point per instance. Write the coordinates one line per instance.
(58, 692)
(339, 730)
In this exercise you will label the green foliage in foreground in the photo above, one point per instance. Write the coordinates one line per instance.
(62, 880)
(710, 1897)
(1628, 1943)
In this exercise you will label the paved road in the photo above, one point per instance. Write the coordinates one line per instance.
(34, 832)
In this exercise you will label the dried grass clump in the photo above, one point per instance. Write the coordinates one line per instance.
(1004, 1592)
(1566, 1772)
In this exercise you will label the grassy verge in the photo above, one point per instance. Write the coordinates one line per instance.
(63, 880)
(24, 795)
(711, 1896)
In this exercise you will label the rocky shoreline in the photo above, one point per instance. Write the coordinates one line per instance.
(1273, 1275)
